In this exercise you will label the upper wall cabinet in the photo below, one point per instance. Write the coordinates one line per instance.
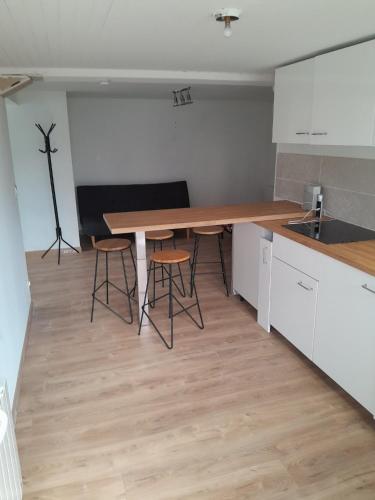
(293, 103)
(344, 97)
(341, 99)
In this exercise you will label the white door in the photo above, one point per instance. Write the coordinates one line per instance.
(293, 305)
(245, 261)
(344, 96)
(344, 345)
(292, 112)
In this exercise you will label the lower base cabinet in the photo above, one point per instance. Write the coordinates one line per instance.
(264, 283)
(245, 260)
(344, 343)
(293, 305)
(331, 319)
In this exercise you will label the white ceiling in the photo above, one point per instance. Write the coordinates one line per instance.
(171, 40)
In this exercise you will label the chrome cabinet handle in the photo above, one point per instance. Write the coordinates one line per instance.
(308, 288)
(302, 133)
(319, 133)
(366, 287)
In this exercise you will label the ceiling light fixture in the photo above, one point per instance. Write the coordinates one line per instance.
(182, 97)
(104, 82)
(226, 16)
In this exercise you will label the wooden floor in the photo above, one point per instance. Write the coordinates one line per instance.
(230, 413)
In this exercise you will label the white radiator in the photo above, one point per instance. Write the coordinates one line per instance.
(10, 470)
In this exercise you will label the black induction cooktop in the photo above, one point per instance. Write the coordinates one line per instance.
(332, 231)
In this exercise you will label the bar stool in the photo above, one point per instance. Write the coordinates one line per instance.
(168, 258)
(160, 236)
(208, 231)
(107, 247)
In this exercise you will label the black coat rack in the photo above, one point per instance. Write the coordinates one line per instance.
(47, 150)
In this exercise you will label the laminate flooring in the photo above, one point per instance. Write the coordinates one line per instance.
(232, 412)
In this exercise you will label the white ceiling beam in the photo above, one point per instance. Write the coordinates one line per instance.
(142, 76)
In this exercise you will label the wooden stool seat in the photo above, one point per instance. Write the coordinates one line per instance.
(164, 234)
(113, 245)
(208, 230)
(171, 256)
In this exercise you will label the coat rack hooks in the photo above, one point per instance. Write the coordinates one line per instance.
(47, 150)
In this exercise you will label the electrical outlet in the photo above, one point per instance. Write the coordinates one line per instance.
(68, 250)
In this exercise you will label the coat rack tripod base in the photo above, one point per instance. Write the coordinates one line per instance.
(49, 151)
(58, 240)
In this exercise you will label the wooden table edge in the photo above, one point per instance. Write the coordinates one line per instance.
(222, 221)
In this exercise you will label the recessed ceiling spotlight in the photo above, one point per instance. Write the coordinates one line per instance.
(104, 82)
(227, 16)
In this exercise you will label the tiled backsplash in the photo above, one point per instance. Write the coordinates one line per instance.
(348, 184)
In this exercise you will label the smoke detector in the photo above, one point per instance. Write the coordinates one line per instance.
(227, 16)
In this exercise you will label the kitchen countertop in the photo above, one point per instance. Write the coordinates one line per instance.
(360, 255)
(178, 218)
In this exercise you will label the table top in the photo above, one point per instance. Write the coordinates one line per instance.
(179, 218)
(360, 254)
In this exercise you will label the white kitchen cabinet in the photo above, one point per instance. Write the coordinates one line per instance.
(343, 111)
(329, 99)
(293, 305)
(264, 283)
(245, 260)
(344, 345)
(293, 102)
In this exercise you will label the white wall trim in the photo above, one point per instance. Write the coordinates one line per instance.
(142, 75)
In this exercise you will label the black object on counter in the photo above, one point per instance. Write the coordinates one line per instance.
(332, 231)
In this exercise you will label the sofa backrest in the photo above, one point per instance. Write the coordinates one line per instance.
(93, 201)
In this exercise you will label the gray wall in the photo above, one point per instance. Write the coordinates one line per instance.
(14, 290)
(222, 148)
(348, 184)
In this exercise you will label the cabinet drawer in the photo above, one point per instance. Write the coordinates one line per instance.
(297, 255)
(293, 305)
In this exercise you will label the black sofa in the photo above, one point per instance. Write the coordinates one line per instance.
(94, 201)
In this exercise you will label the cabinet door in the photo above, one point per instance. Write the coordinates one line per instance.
(344, 345)
(245, 261)
(293, 103)
(293, 305)
(344, 97)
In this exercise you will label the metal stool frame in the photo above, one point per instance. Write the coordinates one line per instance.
(220, 238)
(171, 298)
(162, 280)
(128, 293)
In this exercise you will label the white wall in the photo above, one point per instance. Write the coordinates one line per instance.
(222, 148)
(31, 169)
(14, 290)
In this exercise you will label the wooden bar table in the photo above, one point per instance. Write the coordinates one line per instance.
(180, 218)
